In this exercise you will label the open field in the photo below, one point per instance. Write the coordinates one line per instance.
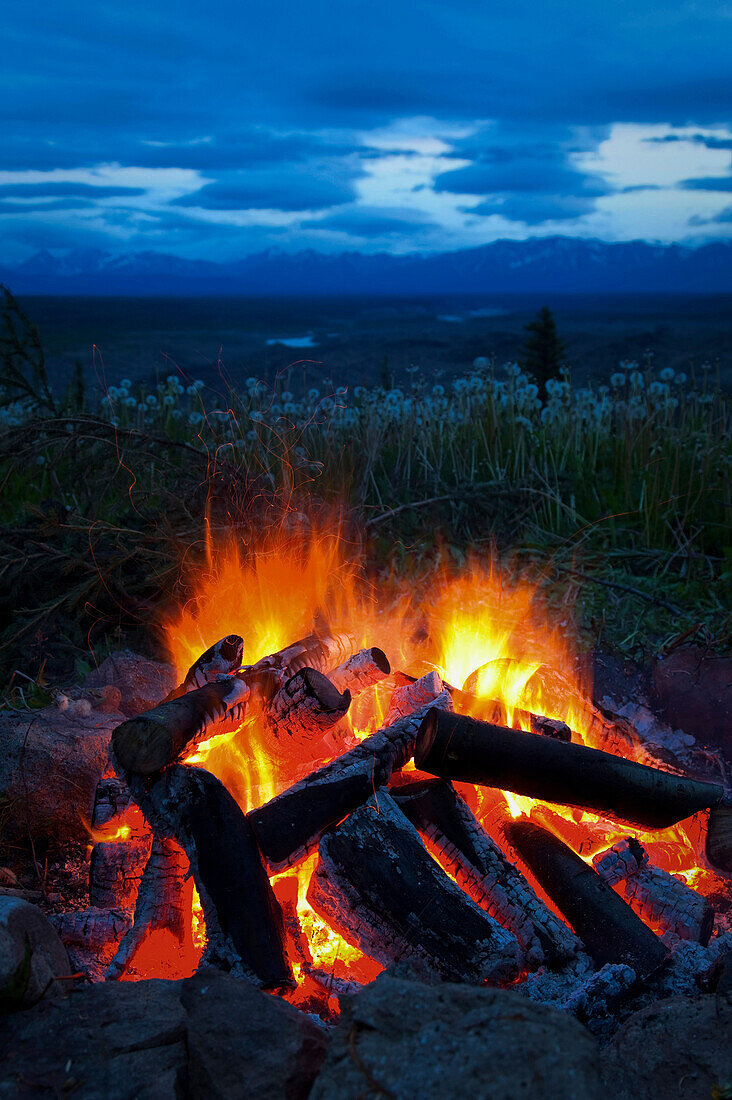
(359, 341)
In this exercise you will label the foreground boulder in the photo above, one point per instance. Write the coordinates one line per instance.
(678, 1047)
(115, 1041)
(32, 957)
(405, 1040)
(209, 1036)
(244, 1043)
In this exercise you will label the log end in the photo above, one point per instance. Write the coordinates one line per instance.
(381, 660)
(430, 745)
(719, 839)
(330, 699)
(142, 747)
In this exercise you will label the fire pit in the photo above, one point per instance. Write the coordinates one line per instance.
(418, 783)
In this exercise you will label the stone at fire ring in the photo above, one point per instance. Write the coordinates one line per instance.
(112, 1041)
(404, 1040)
(681, 1047)
(50, 764)
(32, 956)
(142, 683)
(212, 1036)
(693, 690)
(244, 1043)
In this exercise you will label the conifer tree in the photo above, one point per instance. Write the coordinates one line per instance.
(543, 352)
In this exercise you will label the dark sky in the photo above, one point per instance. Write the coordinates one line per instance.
(221, 128)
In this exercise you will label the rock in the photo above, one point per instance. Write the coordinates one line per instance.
(693, 689)
(31, 956)
(113, 1041)
(244, 1043)
(50, 765)
(401, 1039)
(142, 683)
(681, 1047)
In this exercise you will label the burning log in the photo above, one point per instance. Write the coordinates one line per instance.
(361, 671)
(150, 742)
(223, 657)
(609, 731)
(411, 696)
(289, 826)
(455, 747)
(659, 898)
(93, 929)
(158, 737)
(243, 919)
(607, 926)
(307, 705)
(480, 867)
(719, 839)
(115, 872)
(160, 903)
(376, 884)
(112, 799)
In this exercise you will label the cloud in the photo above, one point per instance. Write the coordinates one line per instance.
(369, 222)
(708, 183)
(52, 189)
(273, 189)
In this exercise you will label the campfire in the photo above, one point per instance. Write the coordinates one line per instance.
(355, 777)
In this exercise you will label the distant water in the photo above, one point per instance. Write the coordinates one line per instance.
(293, 341)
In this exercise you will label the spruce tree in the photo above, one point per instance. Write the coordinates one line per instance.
(543, 352)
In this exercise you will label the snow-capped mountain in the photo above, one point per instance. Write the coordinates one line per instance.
(537, 265)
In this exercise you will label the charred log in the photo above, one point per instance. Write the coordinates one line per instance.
(361, 671)
(160, 903)
(158, 737)
(411, 696)
(93, 929)
(305, 707)
(224, 657)
(607, 926)
(112, 799)
(150, 742)
(243, 919)
(377, 885)
(481, 868)
(660, 899)
(455, 747)
(289, 826)
(115, 872)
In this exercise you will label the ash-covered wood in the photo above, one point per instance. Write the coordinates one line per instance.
(361, 671)
(550, 727)
(305, 707)
(660, 899)
(377, 885)
(159, 904)
(409, 697)
(93, 929)
(115, 872)
(225, 656)
(243, 919)
(480, 867)
(113, 798)
(158, 737)
(289, 826)
(148, 743)
(456, 747)
(607, 926)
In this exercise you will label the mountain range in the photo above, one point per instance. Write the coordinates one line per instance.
(550, 264)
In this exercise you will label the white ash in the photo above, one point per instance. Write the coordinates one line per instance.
(651, 729)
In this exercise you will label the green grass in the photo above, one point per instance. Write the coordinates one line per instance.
(618, 497)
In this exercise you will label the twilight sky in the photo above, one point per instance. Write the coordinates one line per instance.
(217, 129)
